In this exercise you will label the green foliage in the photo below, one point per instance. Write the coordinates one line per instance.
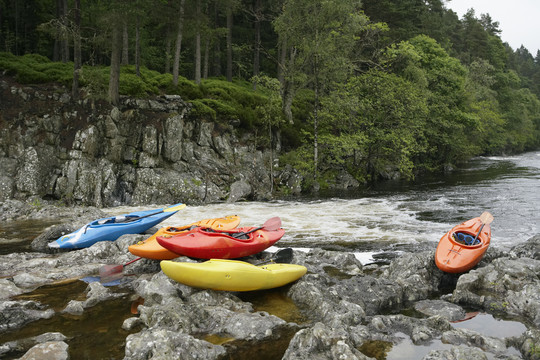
(36, 69)
(375, 122)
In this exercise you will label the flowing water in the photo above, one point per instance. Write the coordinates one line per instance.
(396, 214)
(387, 218)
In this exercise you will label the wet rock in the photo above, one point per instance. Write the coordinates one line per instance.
(9, 289)
(506, 285)
(24, 345)
(474, 339)
(322, 342)
(416, 273)
(95, 293)
(529, 249)
(456, 353)
(50, 350)
(240, 190)
(163, 344)
(445, 309)
(14, 314)
(419, 330)
(527, 343)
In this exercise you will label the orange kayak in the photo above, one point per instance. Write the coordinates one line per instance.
(151, 249)
(458, 251)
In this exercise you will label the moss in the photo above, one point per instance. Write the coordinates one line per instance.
(214, 99)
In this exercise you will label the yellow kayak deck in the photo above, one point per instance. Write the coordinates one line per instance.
(232, 275)
(151, 249)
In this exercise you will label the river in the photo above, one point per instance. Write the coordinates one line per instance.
(396, 214)
(374, 224)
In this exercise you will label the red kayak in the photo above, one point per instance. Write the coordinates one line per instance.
(202, 243)
(461, 248)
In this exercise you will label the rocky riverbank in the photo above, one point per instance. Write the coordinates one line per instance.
(88, 152)
(339, 309)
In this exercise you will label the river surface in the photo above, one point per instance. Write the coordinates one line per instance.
(395, 214)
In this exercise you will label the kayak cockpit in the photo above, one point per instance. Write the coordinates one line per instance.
(466, 239)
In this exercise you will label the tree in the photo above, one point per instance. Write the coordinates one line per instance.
(320, 36)
(178, 47)
(116, 49)
(270, 114)
(375, 125)
(450, 124)
(77, 61)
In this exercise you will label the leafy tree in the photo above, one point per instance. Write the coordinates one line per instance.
(320, 36)
(425, 62)
(375, 124)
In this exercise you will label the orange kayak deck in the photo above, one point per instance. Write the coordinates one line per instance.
(151, 249)
(454, 256)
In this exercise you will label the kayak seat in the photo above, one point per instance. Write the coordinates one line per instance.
(466, 239)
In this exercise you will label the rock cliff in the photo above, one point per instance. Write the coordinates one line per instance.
(143, 151)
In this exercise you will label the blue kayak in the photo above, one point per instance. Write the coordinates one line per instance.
(111, 228)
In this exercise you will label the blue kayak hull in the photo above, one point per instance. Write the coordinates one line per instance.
(110, 229)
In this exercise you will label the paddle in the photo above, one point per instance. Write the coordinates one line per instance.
(486, 219)
(271, 224)
(110, 272)
(283, 256)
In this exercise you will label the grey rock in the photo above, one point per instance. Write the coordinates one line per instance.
(14, 314)
(240, 190)
(322, 342)
(445, 309)
(166, 344)
(456, 353)
(50, 350)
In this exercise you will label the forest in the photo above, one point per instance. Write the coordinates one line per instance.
(382, 89)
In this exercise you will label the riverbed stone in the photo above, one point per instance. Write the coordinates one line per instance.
(456, 353)
(50, 350)
(14, 314)
(506, 285)
(163, 344)
(448, 310)
(322, 342)
(474, 339)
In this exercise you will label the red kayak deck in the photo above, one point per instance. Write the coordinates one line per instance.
(203, 243)
(454, 255)
(151, 249)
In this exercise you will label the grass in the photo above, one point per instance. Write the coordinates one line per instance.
(214, 99)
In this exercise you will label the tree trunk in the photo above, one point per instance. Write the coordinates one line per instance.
(65, 40)
(137, 48)
(282, 54)
(257, 46)
(76, 50)
(168, 54)
(114, 78)
(229, 42)
(287, 90)
(176, 65)
(198, 45)
(125, 44)
(216, 59)
(316, 130)
(206, 57)
(57, 37)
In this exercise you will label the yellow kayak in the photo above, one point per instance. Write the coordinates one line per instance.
(151, 249)
(232, 275)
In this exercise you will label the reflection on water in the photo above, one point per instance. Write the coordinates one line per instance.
(96, 334)
(487, 325)
(16, 236)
